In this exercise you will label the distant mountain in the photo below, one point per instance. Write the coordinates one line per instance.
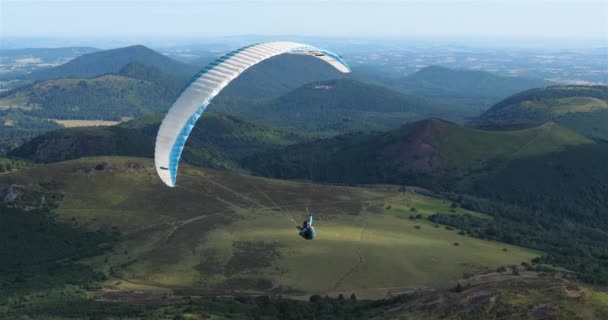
(476, 89)
(218, 141)
(111, 61)
(338, 106)
(273, 77)
(581, 108)
(279, 75)
(169, 83)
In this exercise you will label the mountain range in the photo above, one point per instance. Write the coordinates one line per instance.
(501, 217)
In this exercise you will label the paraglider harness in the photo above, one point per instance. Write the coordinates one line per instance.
(307, 231)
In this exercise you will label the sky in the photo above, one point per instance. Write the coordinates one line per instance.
(342, 18)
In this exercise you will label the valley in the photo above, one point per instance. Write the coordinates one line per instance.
(444, 193)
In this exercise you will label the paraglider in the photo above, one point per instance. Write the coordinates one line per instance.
(205, 85)
(307, 231)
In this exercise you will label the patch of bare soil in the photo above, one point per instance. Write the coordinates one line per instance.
(418, 150)
(250, 257)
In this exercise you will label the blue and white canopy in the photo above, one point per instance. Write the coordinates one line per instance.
(205, 85)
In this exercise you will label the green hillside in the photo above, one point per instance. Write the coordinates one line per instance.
(533, 180)
(17, 128)
(477, 89)
(338, 106)
(170, 84)
(581, 108)
(218, 141)
(135, 90)
(108, 97)
(430, 148)
(111, 61)
(73, 143)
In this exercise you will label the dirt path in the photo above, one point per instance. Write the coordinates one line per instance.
(359, 254)
(185, 222)
(541, 132)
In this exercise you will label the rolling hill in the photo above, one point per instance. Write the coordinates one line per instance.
(108, 97)
(429, 148)
(581, 108)
(73, 143)
(111, 61)
(218, 141)
(338, 106)
(133, 91)
(477, 89)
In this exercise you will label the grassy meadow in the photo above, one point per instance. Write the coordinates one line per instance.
(218, 232)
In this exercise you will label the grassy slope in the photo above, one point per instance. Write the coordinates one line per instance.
(545, 185)
(470, 153)
(582, 108)
(202, 238)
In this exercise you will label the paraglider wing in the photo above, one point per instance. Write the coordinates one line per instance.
(205, 85)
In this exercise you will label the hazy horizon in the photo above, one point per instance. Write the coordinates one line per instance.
(567, 23)
(109, 42)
